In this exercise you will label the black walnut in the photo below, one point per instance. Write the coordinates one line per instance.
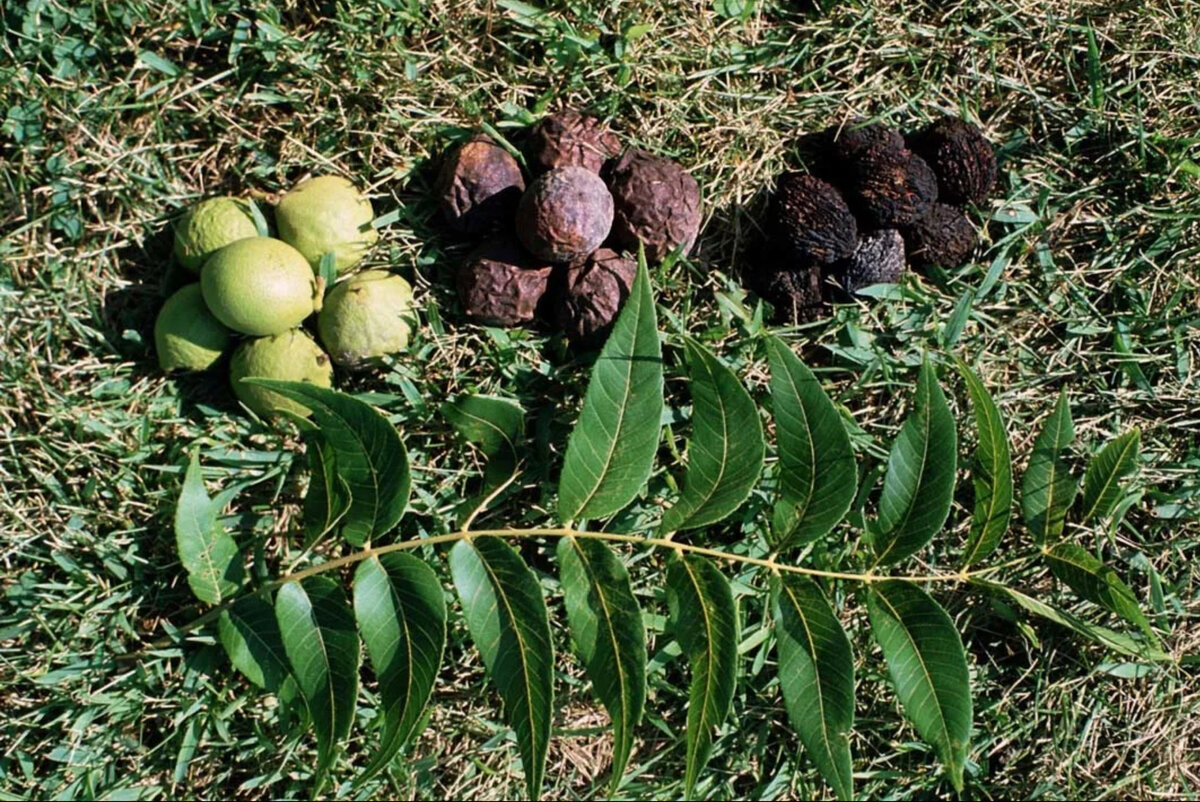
(891, 187)
(943, 237)
(812, 219)
(566, 214)
(879, 259)
(656, 202)
(961, 157)
(479, 187)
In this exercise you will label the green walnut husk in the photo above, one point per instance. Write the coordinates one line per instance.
(260, 286)
(366, 318)
(209, 226)
(327, 214)
(186, 335)
(291, 356)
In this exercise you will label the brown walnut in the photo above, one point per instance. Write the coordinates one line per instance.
(571, 139)
(479, 187)
(961, 157)
(656, 202)
(501, 285)
(812, 219)
(566, 214)
(943, 237)
(593, 293)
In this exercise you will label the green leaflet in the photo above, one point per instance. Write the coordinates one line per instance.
(725, 453)
(401, 613)
(208, 553)
(606, 626)
(611, 450)
(496, 425)
(328, 496)
(704, 620)
(369, 454)
(1102, 480)
(1096, 582)
(991, 473)
(250, 634)
(816, 673)
(1048, 488)
(317, 629)
(928, 667)
(817, 474)
(1117, 641)
(919, 485)
(506, 615)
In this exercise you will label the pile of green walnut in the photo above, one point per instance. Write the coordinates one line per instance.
(557, 244)
(255, 293)
(876, 201)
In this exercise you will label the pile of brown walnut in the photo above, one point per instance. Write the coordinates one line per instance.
(875, 201)
(560, 249)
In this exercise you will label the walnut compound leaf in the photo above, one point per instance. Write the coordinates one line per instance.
(494, 424)
(1048, 488)
(817, 473)
(250, 634)
(506, 616)
(928, 668)
(317, 629)
(208, 553)
(919, 485)
(816, 674)
(1117, 641)
(369, 454)
(704, 619)
(607, 628)
(610, 453)
(991, 473)
(401, 613)
(328, 496)
(1096, 582)
(1102, 480)
(725, 453)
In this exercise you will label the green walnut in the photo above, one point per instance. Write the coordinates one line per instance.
(291, 356)
(326, 214)
(186, 335)
(209, 226)
(260, 286)
(366, 317)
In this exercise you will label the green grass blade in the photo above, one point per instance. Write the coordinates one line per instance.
(816, 673)
(369, 453)
(207, 552)
(611, 450)
(704, 620)
(1096, 582)
(250, 634)
(725, 453)
(401, 613)
(919, 485)
(928, 668)
(506, 616)
(606, 626)
(1102, 480)
(991, 473)
(1048, 488)
(317, 629)
(817, 473)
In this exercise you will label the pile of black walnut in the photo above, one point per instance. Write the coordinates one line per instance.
(880, 200)
(560, 249)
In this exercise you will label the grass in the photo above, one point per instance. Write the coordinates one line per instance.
(119, 114)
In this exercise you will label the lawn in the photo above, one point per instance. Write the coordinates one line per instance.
(117, 115)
